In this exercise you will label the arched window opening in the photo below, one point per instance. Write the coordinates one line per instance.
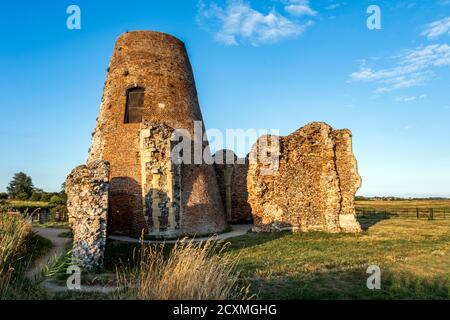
(134, 105)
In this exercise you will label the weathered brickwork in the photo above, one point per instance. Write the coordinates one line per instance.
(134, 184)
(313, 185)
(231, 174)
(157, 63)
(87, 204)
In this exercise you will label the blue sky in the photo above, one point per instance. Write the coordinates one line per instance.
(258, 64)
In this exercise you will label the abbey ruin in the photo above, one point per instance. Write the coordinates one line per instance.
(134, 183)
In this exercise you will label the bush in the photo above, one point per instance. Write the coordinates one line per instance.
(60, 208)
(36, 196)
(45, 197)
(4, 206)
(63, 196)
(56, 200)
(22, 196)
(59, 212)
(3, 196)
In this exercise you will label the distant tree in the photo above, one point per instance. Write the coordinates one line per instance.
(3, 196)
(56, 200)
(21, 196)
(20, 184)
(45, 197)
(36, 196)
(62, 193)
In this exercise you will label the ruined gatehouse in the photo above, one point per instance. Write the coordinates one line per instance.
(135, 184)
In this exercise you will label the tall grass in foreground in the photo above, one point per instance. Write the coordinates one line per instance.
(13, 232)
(192, 271)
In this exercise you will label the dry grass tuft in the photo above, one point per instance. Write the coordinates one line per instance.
(13, 232)
(192, 271)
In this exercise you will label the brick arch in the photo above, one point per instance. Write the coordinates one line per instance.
(125, 205)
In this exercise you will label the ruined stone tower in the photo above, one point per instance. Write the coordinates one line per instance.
(149, 92)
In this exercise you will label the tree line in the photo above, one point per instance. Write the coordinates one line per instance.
(21, 188)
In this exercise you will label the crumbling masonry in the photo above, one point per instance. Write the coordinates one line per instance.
(87, 203)
(150, 80)
(313, 185)
(135, 184)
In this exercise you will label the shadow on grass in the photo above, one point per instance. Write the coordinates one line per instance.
(119, 253)
(351, 285)
(368, 220)
(253, 239)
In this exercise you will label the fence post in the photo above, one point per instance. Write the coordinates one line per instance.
(431, 214)
(417, 212)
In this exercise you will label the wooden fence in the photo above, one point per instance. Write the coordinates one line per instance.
(414, 213)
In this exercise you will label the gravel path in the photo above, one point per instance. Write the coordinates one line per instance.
(57, 250)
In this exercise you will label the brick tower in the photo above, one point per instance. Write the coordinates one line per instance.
(149, 92)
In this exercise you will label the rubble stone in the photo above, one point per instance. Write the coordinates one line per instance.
(87, 204)
(311, 187)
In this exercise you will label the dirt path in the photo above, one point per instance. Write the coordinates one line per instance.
(57, 250)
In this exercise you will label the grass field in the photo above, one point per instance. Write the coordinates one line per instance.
(401, 205)
(424, 209)
(27, 206)
(414, 257)
(18, 203)
(413, 254)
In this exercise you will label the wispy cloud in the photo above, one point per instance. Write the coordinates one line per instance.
(237, 22)
(411, 68)
(437, 28)
(299, 8)
(335, 5)
(406, 99)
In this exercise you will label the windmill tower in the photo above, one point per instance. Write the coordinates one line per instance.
(149, 92)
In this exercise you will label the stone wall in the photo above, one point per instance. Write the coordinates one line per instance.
(311, 187)
(232, 180)
(87, 204)
(350, 181)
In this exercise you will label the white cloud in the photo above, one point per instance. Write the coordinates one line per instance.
(406, 99)
(411, 68)
(437, 28)
(299, 8)
(237, 22)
